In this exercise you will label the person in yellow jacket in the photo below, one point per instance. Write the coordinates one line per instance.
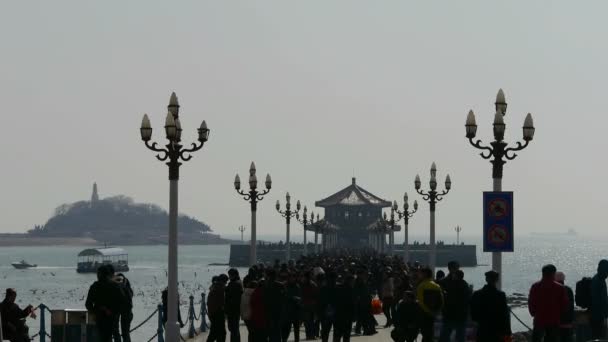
(430, 299)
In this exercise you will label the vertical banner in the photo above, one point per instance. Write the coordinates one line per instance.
(498, 221)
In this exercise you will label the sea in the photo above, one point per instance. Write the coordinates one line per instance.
(56, 284)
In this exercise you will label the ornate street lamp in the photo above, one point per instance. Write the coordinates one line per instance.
(253, 196)
(242, 230)
(498, 152)
(173, 153)
(288, 214)
(457, 229)
(317, 229)
(406, 214)
(306, 222)
(432, 196)
(390, 228)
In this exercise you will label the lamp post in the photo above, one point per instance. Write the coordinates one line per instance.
(432, 196)
(390, 226)
(406, 214)
(457, 229)
(173, 153)
(242, 230)
(288, 214)
(312, 215)
(498, 151)
(253, 196)
(305, 222)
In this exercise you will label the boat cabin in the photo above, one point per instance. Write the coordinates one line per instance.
(90, 259)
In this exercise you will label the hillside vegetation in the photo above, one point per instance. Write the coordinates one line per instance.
(116, 219)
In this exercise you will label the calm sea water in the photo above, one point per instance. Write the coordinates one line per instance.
(56, 283)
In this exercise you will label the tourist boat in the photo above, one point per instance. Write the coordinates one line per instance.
(21, 265)
(90, 259)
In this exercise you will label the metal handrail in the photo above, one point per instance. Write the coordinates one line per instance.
(42, 334)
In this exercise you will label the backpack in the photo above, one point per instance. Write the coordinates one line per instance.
(583, 293)
(432, 300)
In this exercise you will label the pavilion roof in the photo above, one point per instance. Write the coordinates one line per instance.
(353, 195)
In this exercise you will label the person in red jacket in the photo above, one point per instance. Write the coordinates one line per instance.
(547, 302)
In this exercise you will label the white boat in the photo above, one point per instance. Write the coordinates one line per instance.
(21, 265)
(90, 259)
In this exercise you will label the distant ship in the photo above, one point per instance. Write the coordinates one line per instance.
(569, 232)
(21, 265)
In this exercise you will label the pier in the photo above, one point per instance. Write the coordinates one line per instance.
(465, 254)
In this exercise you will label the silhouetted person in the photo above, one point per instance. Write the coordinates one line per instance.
(106, 301)
(567, 320)
(126, 312)
(547, 302)
(489, 309)
(293, 308)
(216, 309)
(274, 301)
(246, 312)
(164, 295)
(363, 303)
(310, 299)
(387, 295)
(14, 328)
(327, 305)
(456, 309)
(259, 319)
(345, 308)
(406, 319)
(234, 291)
(599, 301)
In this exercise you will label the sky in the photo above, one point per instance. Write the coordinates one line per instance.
(314, 92)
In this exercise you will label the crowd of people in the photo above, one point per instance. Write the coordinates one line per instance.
(339, 295)
(325, 294)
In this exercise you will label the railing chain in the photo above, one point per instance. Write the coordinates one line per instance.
(519, 320)
(151, 338)
(144, 322)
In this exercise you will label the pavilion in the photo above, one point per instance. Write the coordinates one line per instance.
(356, 215)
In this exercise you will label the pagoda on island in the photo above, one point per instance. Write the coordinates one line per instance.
(353, 210)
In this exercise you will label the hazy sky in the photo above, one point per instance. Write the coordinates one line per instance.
(312, 91)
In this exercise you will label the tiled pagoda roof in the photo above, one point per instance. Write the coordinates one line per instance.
(353, 195)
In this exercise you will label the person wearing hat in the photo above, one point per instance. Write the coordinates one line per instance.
(489, 309)
(13, 318)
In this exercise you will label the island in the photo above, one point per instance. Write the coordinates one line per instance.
(116, 220)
